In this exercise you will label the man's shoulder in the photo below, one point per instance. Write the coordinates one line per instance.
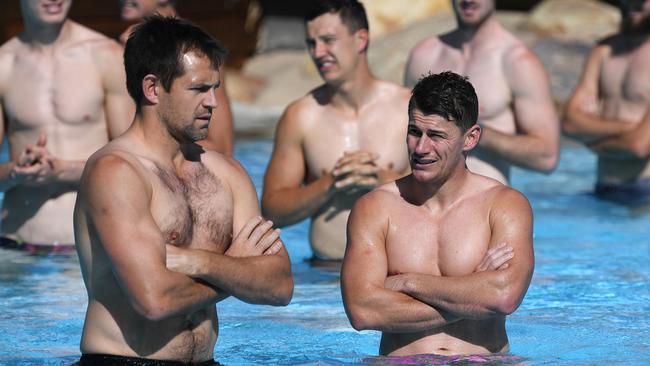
(304, 108)
(97, 44)
(427, 47)
(223, 167)
(393, 91)
(7, 58)
(380, 197)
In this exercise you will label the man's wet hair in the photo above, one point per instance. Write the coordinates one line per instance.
(156, 47)
(352, 12)
(447, 95)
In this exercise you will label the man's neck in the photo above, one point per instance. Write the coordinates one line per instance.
(161, 146)
(440, 195)
(355, 92)
(46, 34)
(478, 34)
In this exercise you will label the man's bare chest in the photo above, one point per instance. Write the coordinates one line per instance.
(627, 78)
(193, 209)
(61, 88)
(449, 245)
(383, 134)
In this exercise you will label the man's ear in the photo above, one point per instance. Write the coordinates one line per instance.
(472, 136)
(150, 88)
(361, 37)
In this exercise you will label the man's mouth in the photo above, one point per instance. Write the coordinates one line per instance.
(468, 6)
(422, 162)
(325, 65)
(53, 8)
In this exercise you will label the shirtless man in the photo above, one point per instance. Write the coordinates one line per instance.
(62, 97)
(220, 137)
(517, 115)
(340, 140)
(609, 110)
(437, 259)
(154, 186)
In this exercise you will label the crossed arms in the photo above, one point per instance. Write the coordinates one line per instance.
(161, 281)
(414, 302)
(607, 136)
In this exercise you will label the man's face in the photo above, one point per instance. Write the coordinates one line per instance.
(435, 147)
(135, 10)
(187, 108)
(473, 12)
(334, 50)
(45, 11)
(636, 15)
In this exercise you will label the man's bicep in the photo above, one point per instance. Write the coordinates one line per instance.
(245, 202)
(118, 207)
(534, 109)
(287, 166)
(119, 106)
(511, 222)
(365, 264)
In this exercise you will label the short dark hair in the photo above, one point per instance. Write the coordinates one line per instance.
(352, 12)
(156, 47)
(447, 95)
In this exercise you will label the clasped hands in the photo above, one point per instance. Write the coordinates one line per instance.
(355, 172)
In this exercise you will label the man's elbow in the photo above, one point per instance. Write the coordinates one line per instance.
(360, 321)
(640, 149)
(272, 211)
(283, 293)
(548, 162)
(153, 308)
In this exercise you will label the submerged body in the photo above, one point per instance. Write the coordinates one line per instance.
(608, 111)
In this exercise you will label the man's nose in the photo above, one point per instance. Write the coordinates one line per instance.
(319, 49)
(423, 145)
(210, 101)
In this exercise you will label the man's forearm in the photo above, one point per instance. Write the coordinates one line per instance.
(588, 127)
(264, 279)
(394, 312)
(291, 205)
(69, 171)
(475, 296)
(521, 150)
(178, 296)
(7, 181)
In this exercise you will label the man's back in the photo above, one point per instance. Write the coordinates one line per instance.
(193, 209)
(60, 91)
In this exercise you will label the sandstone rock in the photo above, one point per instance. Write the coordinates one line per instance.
(386, 16)
(582, 20)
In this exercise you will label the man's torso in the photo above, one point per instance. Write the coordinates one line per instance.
(451, 242)
(483, 64)
(625, 95)
(379, 128)
(57, 92)
(192, 208)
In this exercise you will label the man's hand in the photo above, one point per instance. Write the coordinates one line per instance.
(35, 165)
(256, 237)
(496, 258)
(355, 172)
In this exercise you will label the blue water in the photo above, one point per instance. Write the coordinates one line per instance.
(588, 304)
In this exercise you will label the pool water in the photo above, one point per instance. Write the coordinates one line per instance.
(588, 303)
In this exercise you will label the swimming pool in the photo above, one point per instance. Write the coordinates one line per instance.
(588, 304)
